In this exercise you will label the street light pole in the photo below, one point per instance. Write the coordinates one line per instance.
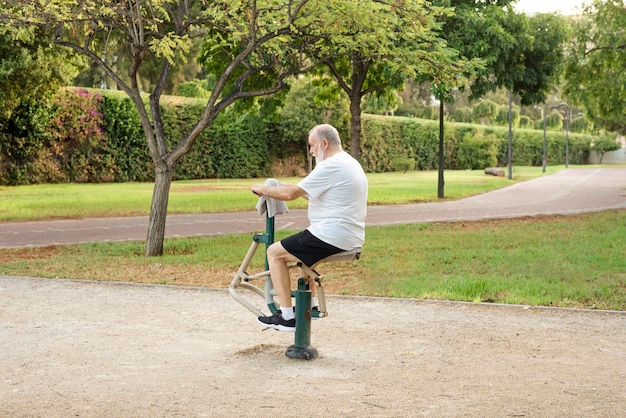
(568, 118)
(543, 159)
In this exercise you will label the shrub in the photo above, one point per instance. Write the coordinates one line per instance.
(478, 152)
(127, 142)
(78, 144)
(94, 138)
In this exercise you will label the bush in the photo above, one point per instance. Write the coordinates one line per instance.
(478, 152)
(77, 144)
(403, 164)
(127, 142)
(22, 150)
(525, 122)
(94, 138)
(462, 114)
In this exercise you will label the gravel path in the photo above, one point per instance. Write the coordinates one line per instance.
(85, 349)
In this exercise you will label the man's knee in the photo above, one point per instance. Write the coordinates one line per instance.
(275, 251)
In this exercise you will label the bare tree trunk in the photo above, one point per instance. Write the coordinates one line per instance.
(355, 125)
(158, 212)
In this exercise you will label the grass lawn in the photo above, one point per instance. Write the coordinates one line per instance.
(62, 201)
(566, 261)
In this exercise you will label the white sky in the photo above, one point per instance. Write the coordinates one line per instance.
(565, 7)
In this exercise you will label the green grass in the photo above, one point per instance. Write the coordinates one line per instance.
(576, 261)
(59, 201)
(565, 261)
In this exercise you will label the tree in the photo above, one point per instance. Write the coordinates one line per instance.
(476, 33)
(520, 54)
(603, 145)
(308, 102)
(378, 46)
(485, 111)
(250, 45)
(594, 73)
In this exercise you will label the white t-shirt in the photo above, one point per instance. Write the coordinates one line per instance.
(337, 190)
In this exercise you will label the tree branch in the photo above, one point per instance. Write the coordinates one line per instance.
(605, 48)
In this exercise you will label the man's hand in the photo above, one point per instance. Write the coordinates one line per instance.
(283, 192)
(256, 189)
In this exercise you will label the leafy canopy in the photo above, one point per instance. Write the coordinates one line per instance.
(596, 63)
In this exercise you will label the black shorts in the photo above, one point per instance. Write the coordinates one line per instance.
(308, 248)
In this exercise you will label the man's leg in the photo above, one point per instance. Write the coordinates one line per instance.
(277, 259)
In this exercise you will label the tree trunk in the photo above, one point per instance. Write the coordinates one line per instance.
(158, 211)
(355, 125)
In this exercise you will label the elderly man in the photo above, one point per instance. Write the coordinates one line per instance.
(337, 193)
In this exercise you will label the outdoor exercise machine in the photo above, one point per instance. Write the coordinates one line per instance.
(301, 349)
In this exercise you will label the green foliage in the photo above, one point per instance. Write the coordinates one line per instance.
(403, 164)
(239, 146)
(372, 47)
(484, 112)
(554, 121)
(31, 71)
(236, 145)
(595, 76)
(478, 152)
(519, 53)
(580, 124)
(93, 138)
(605, 144)
(78, 145)
(383, 102)
(22, 153)
(127, 142)
(309, 102)
(525, 122)
(541, 62)
(502, 118)
(385, 140)
(462, 114)
(195, 88)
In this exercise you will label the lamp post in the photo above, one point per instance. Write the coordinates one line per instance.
(568, 118)
(543, 154)
(544, 162)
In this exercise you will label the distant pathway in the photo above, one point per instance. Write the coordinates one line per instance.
(570, 191)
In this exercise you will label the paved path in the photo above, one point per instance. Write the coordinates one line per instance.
(567, 192)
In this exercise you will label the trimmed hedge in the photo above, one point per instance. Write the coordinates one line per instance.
(386, 140)
(95, 136)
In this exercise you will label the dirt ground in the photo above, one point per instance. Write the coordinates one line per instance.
(88, 349)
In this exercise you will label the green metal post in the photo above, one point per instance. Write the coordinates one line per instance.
(302, 349)
(268, 239)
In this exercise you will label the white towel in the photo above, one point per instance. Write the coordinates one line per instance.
(273, 206)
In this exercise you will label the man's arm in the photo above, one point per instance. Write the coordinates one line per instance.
(285, 191)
